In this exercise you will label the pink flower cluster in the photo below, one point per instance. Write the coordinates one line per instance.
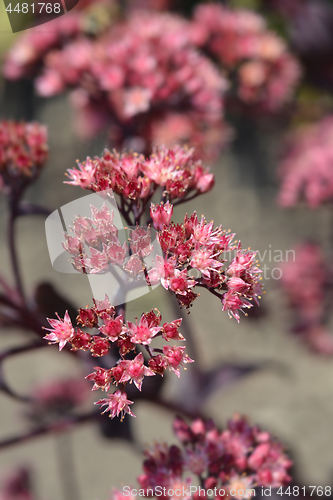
(115, 333)
(17, 485)
(26, 56)
(23, 152)
(193, 256)
(307, 284)
(235, 460)
(307, 169)
(191, 247)
(257, 61)
(135, 177)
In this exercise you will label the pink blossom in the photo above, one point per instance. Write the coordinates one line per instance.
(99, 346)
(221, 458)
(161, 214)
(136, 100)
(116, 253)
(142, 332)
(204, 261)
(237, 285)
(117, 404)
(85, 176)
(126, 72)
(264, 73)
(81, 340)
(113, 327)
(135, 370)
(179, 282)
(170, 330)
(141, 242)
(175, 356)
(306, 170)
(23, 153)
(62, 331)
(98, 261)
(233, 302)
(101, 377)
(72, 245)
(303, 280)
(196, 460)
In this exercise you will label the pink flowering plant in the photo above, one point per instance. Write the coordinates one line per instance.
(191, 257)
(229, 463)
(162, 87)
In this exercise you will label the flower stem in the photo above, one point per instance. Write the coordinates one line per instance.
(13, 252)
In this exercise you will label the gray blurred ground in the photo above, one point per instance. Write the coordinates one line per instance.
(292, 397)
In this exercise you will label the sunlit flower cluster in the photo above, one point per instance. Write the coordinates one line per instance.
(233, 461)
(194, 257)
(307, 284)
(257, 61)
(26, 56)
(23, 152)
(307, 169)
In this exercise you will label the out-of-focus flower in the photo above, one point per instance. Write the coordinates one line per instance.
(62, 331)
(55, 401)
(130, 76)
(239, 458)
(161, 215)
(257, 61)
(117, 404)
(307, 169)
(23, 153)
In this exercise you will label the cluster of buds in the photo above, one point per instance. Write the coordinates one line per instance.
(112, 332)
(23, 152)
(228, 463)
(307, 169)
(309, 295)
(257, 61)
(135, 177)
